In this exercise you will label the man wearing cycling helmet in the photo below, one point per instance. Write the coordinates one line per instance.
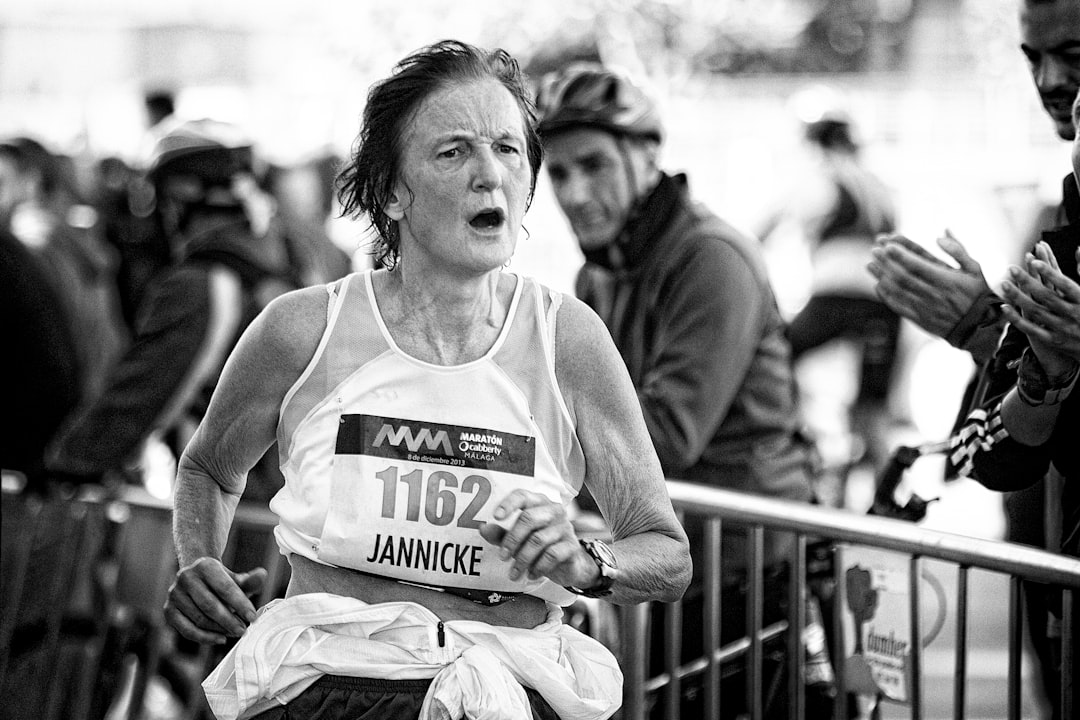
(223, 272)
(688, 302)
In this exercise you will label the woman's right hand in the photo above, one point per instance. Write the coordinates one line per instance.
(208, 603)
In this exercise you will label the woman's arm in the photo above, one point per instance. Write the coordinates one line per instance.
(207, 602)
(622, 469)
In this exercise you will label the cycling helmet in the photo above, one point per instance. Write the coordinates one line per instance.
(210, 150)
(825, 118)
(590, 95)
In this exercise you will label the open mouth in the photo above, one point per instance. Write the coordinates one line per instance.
(488, 219)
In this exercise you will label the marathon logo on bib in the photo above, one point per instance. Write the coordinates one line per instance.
(428, 442)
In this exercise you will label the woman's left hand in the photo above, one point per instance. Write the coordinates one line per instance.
(541, 540)
(1045, 305)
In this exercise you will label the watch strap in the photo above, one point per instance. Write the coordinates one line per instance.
(1036, 389)
(605, 563)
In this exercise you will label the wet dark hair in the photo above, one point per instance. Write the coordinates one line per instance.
(367, 179)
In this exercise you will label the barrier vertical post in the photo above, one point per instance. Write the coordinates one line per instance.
(1016, 638)
(712, 610)
(915, 668)
(797, 594)
(755, 620)
(960, 669)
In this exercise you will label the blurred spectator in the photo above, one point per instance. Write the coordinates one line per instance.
(42, 208)
(222, 273)
(305, 201)
(687, 299)
(124, 203)
(40, 380)
(835, 206)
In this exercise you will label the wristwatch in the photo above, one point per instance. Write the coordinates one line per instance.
(1035, 388)
(605, 563)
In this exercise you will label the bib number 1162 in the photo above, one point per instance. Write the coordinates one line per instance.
(440, 493)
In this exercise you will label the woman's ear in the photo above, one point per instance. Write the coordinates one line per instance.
(393, 206)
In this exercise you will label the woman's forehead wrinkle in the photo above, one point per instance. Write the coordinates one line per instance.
(487, 112)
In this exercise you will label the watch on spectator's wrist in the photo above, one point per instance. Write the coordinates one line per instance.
(606, 563)
(1036, 389)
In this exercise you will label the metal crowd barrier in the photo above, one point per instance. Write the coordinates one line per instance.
(811, 523)
(120, 546)
(85, 574)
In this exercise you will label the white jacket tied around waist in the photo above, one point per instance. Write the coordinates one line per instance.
(478, 670)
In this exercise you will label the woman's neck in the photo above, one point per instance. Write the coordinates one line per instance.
(440, 320)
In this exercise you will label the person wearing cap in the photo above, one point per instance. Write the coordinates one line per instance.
(435, 419)
(836, 206)
(690, 307)
(220, 275)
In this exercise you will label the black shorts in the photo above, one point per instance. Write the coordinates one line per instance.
(335, 697)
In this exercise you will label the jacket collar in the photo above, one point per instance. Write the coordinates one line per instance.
(643, 227)
(1069, 212)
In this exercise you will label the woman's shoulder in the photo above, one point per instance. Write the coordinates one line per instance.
(584, 351)
(293, 323)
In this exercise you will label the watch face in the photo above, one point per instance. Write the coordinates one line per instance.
(603, 553)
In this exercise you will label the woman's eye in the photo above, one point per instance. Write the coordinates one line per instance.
(450, 152)
(508, 149)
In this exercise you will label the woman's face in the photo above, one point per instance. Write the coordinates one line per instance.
(465, 180)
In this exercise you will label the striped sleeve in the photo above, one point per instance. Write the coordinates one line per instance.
(980, 432)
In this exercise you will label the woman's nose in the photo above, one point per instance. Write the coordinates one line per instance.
(488, 171)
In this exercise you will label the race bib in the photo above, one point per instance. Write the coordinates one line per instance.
(408, 498)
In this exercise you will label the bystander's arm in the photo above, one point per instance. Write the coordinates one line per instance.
(104, 432)
(710, 319)
(1006, 443)
(954, 303)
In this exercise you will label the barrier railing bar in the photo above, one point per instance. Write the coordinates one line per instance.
(633, 623)
(797, 619)
(34, 509)
(735, 650)
(755, 618)
(915, 653)
(839, 642)
(1068, 653)
(886, 533)
(673, 631)
(1016, 638)
(73, 540)
(712, 608)
(960, 669)
(673, 623)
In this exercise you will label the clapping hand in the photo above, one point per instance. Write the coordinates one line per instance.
(1045, 305)
(922, 288)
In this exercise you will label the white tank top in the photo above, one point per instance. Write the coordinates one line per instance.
(392, 464)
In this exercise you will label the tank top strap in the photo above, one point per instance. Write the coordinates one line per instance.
(532, 337)
(351, 339)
